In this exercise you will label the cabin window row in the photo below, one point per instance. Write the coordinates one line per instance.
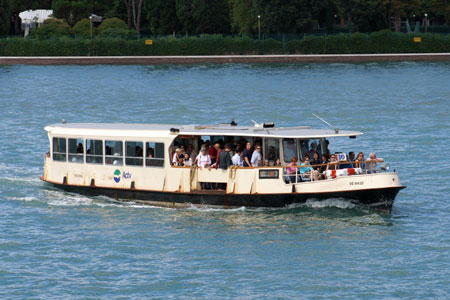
(109, 152)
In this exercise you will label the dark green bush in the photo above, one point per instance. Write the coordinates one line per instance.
(128, 44)
(82, 28)
(52, 28)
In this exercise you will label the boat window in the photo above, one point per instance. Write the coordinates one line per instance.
(289, 149)
(154, 153)
(76, 150)
(59, 149)
(113, 153)
(134, 153)
(94, 152)
(309, 147)
(271, 150)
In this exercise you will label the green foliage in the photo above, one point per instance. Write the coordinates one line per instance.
(377, 42)
(52, 28)
(82, 28)
(244, 16)
(368, 15)
(162, 16)
(110, 25)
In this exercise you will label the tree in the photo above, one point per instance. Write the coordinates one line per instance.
(5, 14)
(82, 28)
(134, 11)
(400, 8)
(162, 16)
(51, 28)
(243, 16)
(288, 17)
(368, 15)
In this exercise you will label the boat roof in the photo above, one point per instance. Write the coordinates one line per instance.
(172, 130)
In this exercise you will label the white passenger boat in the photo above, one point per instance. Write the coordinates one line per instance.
(133, 162)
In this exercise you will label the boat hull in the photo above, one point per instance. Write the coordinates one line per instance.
(381, 198)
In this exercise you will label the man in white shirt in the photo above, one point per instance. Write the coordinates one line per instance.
(236, 159)
(256, 160)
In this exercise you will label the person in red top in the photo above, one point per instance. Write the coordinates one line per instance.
(213, 152)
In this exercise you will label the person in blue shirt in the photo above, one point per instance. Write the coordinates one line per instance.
(305, 168)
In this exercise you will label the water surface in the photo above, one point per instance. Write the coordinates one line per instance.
(60, 245)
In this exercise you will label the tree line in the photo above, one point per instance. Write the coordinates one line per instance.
(236, 16)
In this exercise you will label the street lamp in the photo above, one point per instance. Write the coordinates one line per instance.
(426, 22)
(259, 27)
(90, 21)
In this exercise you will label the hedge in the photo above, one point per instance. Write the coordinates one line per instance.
(378, 42)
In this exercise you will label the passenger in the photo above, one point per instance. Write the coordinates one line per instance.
(277, 163)
(305, 168)
(225, 158)
(323, 167)
(291, 170)
(80, 148)
(237, 158)
(266, 163)
(190, 150)
(219, 150)
(316, 161)
(256, 160)
(316, 165)
(204, 160)
(175, 156)
(351, 158)
(187, 160)
(180, 160)
(371, 164)
(247, 155)
(360, 162)
(313, 149)
(333, 163)
(213, 152)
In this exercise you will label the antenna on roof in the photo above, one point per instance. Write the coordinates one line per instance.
(336, 130)
(256, 124)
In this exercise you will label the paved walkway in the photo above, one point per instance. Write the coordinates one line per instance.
(220, 59)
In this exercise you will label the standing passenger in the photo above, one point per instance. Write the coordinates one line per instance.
(256, 160)
(247, 155)
(236, 159)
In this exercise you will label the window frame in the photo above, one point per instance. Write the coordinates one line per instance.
(78, 156)
(59, 153)
(88, 157)
(113, 157)
(160, 161)
(129, 158)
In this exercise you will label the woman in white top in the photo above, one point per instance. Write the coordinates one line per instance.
(203, 159)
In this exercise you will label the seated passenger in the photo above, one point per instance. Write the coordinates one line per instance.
(180, 160)
(333, 163)
(277, 163)
(291, 171)
(305, 168)
(266, 163)
(316, 161)
(360, 162)
(371, 164)
(323, 167)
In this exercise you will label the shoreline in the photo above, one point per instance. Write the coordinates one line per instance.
(222, 59)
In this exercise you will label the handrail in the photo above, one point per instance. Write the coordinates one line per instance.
(298, 166)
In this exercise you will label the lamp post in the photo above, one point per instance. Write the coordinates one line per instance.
(90, 21)
(426, 23)
(259, 27)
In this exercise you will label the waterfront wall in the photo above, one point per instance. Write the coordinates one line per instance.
(221, 59)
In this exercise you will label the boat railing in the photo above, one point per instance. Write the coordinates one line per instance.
(334, 170)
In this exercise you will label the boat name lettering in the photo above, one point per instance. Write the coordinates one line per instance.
(126, 175)
(356, 183)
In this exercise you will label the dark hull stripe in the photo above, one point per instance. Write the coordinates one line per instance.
(382, 198)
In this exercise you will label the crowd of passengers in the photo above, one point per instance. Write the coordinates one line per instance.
(245, 154)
